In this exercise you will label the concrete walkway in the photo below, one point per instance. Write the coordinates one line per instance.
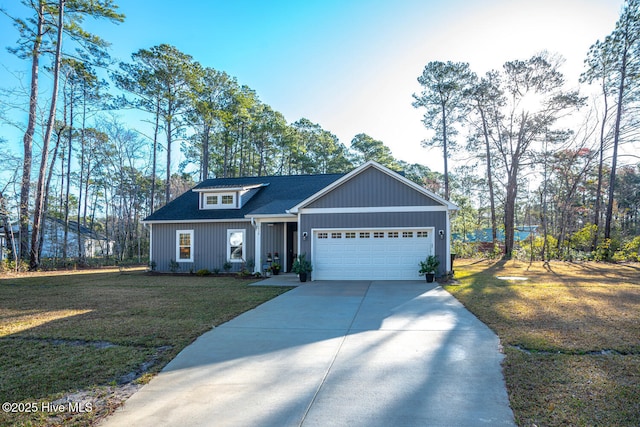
(334, 354)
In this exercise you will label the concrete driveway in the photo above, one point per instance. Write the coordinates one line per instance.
(335, 354)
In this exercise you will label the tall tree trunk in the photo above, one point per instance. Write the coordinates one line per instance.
(155, 157)
(596, 208)
(27, 141)
(34, 260)
(445, 153)
(167, 194)
(86, 157)
(616, 140)
(106, 219)
(65, 239)
(492, 203)
(510, 211)
(225, 163)
(48, 185)
(81, 180)
(205, 153)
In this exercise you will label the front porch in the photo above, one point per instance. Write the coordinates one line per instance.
(276, 242)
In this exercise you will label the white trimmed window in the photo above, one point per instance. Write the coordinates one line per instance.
(218, 200)
(184, 245)
(235, 245)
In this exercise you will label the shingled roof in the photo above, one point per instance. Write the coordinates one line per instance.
(273, 197)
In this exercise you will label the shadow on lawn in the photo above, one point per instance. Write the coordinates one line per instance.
(572, 348)
(355, 353)
(66, 332)
(563, 310)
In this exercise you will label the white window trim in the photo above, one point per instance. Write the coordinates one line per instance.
(219, 205)
(244, 244)
(206, 204)
(178, 233)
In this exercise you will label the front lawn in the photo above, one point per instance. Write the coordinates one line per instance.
(571, 335)
(85, 338)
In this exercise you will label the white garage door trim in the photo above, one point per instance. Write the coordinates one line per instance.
(370, 253)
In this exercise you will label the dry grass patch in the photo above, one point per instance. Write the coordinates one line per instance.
(571, 334)
(94, 332)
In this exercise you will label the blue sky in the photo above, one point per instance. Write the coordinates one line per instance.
(349, 65)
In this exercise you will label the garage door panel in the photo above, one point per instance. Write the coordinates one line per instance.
(370, 254)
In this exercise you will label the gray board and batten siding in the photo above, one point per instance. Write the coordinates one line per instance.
(370, 188)
(209, 244)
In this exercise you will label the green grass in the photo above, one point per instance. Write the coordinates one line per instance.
(63, 333)
(571, 334)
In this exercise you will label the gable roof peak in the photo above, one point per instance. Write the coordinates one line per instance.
(373, 164)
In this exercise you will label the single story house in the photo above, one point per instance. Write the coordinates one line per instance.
(3, 246)
(370, 223)
(81, 240)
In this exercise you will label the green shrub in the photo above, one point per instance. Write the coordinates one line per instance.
(582, 239)
(606, 250)
(630, 251)
(465, 249)
(525, 248)
(203, 272)
(12, 265)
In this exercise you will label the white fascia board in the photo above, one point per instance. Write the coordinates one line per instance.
(373, 209)
(276, 217)
(185, 221)
(226, 189)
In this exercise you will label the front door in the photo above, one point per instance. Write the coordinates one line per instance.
(292, 243)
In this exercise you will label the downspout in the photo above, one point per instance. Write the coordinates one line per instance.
(150, 227)
(449, 237)
(257, 265)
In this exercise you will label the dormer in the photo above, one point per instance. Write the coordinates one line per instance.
(226, 196)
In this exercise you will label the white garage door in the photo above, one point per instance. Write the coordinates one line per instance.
(375, 254)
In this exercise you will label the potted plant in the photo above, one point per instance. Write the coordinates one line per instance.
(302, 267)
(275, 268)
(429, 267)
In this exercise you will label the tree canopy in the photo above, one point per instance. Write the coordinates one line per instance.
(117, 141)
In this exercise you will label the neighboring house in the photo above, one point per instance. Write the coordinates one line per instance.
(371, 223)
(91, 244)
(5, 243)
(484, 235)
(3, 246)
